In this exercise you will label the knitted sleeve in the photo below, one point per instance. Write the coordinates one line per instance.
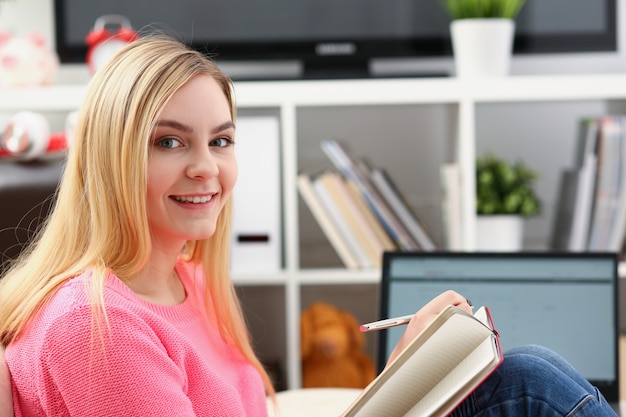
(121, 369)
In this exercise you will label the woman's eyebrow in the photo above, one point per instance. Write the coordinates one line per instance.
(224, 126)
(188, 129)
(175, 125)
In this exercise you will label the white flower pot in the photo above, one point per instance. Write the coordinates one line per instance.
(482, 47)
(499, 233)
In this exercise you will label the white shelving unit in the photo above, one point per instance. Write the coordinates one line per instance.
(287, 98)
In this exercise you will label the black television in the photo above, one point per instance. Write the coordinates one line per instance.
(333, 39)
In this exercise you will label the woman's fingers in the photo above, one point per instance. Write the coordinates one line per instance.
(445, 299)
(426, 315)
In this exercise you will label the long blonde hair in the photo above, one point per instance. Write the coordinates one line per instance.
(99, 220)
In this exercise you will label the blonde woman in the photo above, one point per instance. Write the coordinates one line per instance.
(123, 305)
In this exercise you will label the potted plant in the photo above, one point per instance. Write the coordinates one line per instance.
(472, 9)
(482, 35)
(504, 196)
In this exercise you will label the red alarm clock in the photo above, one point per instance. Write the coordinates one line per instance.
(110, 34)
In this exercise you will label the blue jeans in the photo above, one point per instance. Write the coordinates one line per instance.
(534, 381)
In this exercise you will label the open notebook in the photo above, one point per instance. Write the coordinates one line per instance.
(437, 370)
(564, 301)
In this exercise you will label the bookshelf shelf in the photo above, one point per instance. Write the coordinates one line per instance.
(291, 99)
(339, 276)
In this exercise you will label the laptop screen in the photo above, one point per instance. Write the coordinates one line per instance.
(564, 301)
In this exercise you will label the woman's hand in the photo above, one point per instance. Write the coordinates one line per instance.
(6, 396)
(425, 315)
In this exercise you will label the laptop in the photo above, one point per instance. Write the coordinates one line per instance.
(565, 301)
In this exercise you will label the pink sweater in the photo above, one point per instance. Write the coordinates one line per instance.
(160, 360)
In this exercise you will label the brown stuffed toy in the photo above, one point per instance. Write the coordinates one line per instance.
(331, 349)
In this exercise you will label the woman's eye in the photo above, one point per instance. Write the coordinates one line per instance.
(221, 142)
(168, 143)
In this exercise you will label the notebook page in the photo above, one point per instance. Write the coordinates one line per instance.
(439, 354)
(464, 373)
(476, 381)
(481, 314)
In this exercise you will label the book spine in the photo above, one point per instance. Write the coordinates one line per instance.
(450, 175)
(576, 202)
(607, 182)
(618, 227)
(398, 204)
(353, 171)
(356, 221)
(563, 226)
(340, 223)
(379, 230)
(583, 205)
(305, 187)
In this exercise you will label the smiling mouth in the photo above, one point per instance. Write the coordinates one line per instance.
(193, 199)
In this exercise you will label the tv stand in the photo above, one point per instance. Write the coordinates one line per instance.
(354, 69)
(336, 69)
(323, 69)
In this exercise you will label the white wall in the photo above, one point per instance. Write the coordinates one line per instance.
(21, 16)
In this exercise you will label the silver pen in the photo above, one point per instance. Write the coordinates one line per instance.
(396, 321)
(385, 324)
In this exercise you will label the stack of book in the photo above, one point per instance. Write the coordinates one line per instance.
(360, 210)
(591, 213)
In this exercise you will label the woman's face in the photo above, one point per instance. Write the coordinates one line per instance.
(192, 168)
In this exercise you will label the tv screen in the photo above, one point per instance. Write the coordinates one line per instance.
(331, 36)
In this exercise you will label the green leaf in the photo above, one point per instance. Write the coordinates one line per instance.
(503, 188)
(467, 9)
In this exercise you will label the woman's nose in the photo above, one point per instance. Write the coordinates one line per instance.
(203, 164)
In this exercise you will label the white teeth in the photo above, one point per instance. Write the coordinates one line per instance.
(194, 199)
